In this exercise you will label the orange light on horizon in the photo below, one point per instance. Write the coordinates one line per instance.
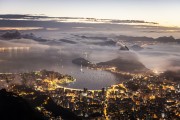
(21, 28)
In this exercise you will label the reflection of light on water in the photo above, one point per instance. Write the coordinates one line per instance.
(2, 49)
(20, 28)
(14, 51)
(89, 78)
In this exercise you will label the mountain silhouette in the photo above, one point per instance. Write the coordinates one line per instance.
(14, 107)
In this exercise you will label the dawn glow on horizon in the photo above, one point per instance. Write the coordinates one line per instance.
(164, 12)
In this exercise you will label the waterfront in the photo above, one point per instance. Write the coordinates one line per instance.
(148, 96)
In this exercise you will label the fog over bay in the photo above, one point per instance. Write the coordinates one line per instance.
(53, 45)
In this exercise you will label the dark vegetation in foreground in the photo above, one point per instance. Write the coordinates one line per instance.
(14, 107)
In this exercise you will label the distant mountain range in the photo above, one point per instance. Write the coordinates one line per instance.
(163, 39)
(17, 35)
(105, 41)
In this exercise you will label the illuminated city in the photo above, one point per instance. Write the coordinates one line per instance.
(89, 60)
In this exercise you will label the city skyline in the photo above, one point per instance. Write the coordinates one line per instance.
(163, 12)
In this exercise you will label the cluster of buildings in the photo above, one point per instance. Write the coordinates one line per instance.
(147, 97)
(141, 97)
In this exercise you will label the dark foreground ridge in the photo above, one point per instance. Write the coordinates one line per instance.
(14, 107)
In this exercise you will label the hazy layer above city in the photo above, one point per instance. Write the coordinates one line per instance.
(54, 42)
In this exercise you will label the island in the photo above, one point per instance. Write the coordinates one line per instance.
(116, 65)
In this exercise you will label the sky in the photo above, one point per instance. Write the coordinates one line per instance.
(165, 12)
